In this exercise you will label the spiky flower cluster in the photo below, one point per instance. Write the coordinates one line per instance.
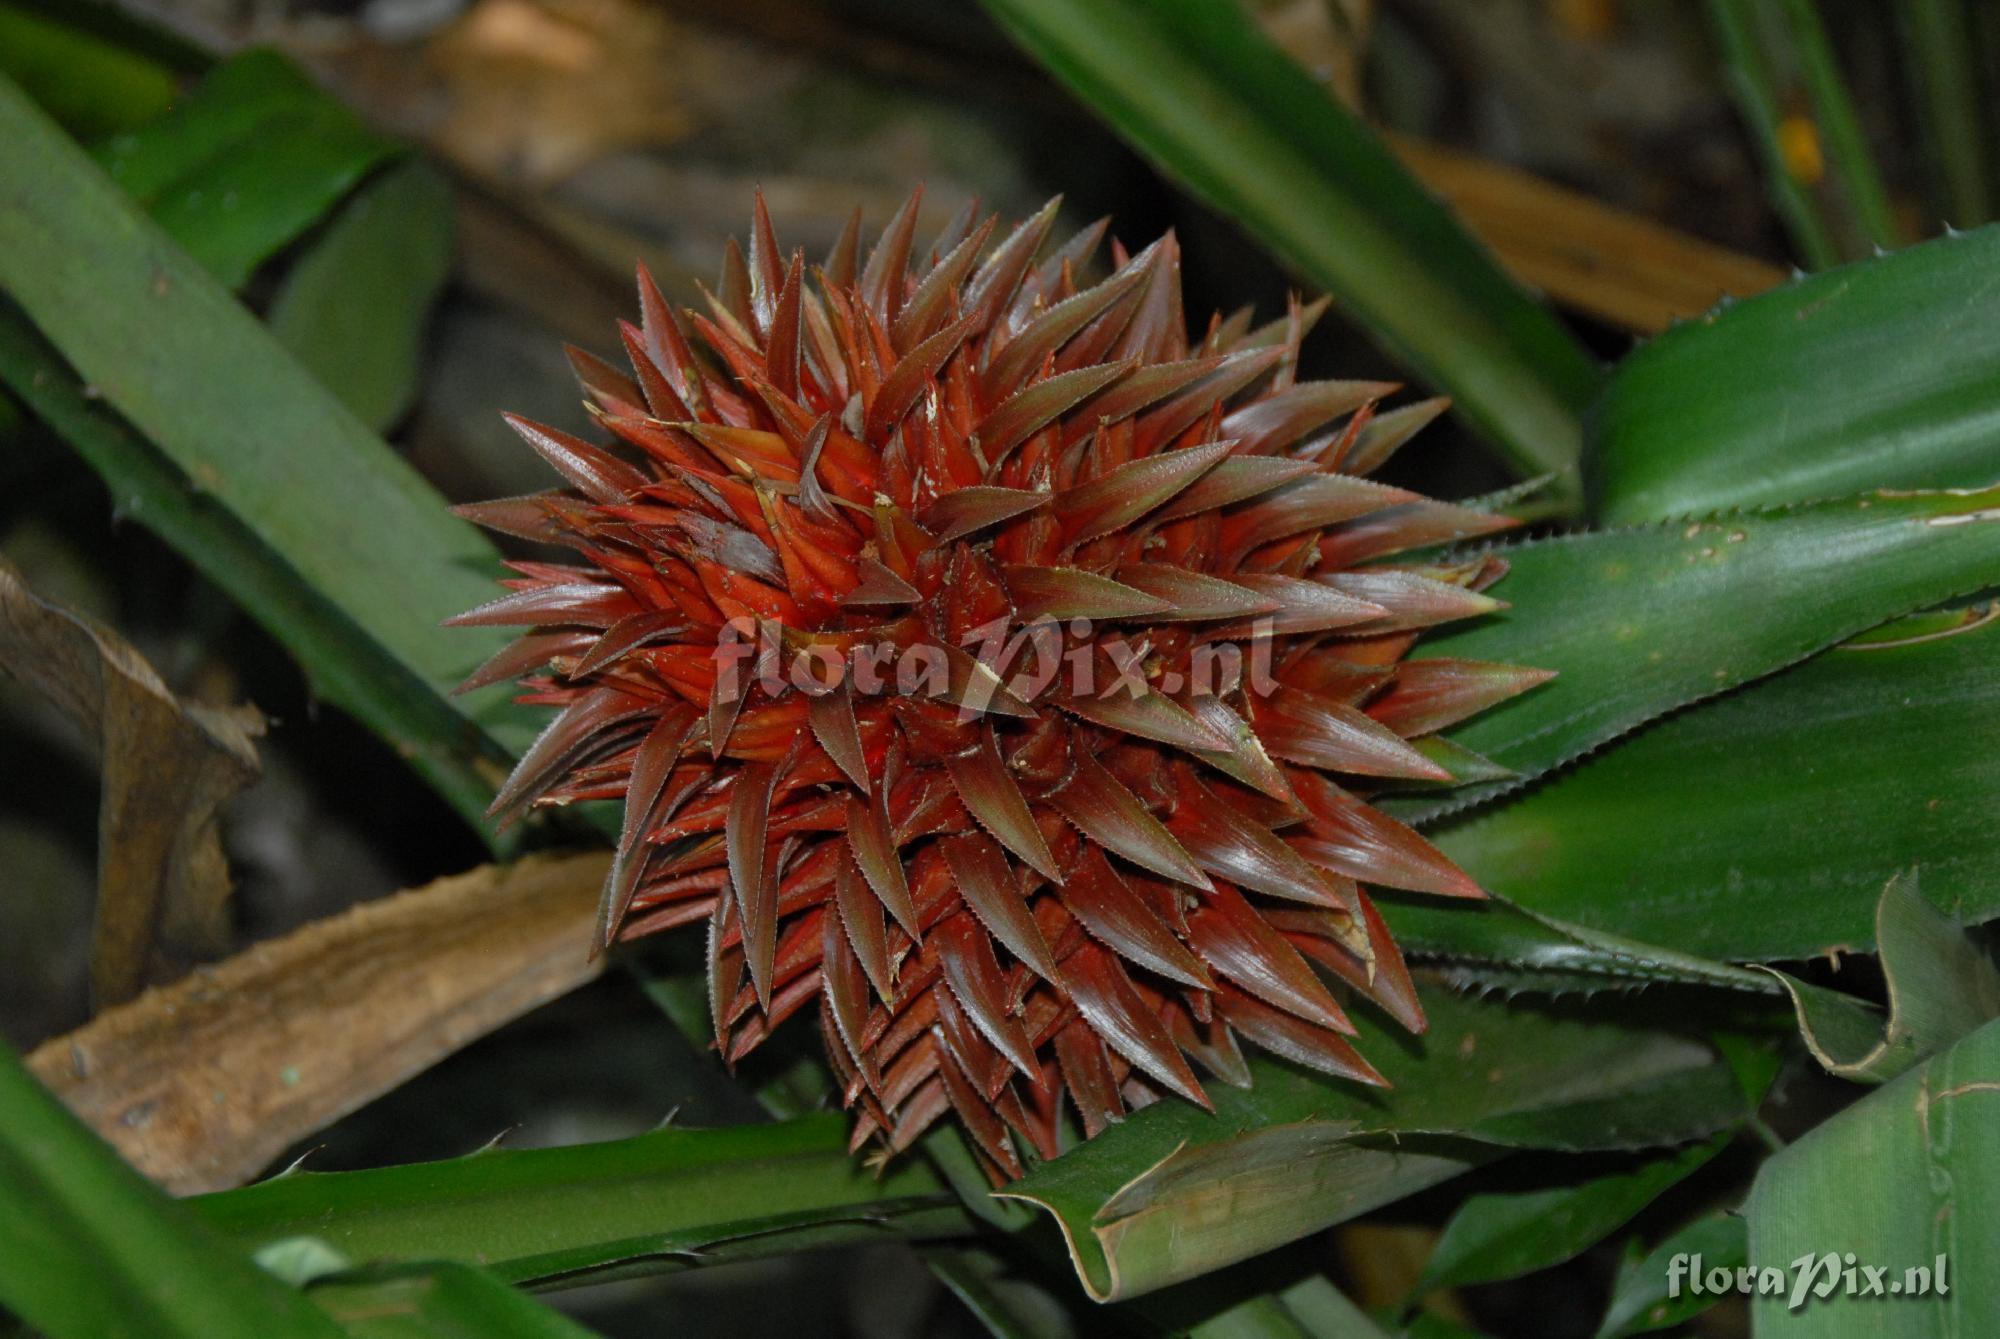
(1002, 882)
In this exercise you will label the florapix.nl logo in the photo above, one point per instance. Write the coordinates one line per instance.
(1812, 1277)
(995, 665)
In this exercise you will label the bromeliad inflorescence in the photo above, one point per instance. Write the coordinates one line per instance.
(976, 654)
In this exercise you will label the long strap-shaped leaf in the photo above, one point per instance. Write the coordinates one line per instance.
(87, 1247)
(163, 342)
(1783, 71)
(1198, 89)
(1495, 945)
(1902, 1180)
(660, 1201)
(1763, 826)
(1877, 374)
(1638, 623)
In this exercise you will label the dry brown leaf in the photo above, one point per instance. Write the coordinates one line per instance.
(1328, 37)
(541, 87)
(1585, 254)
(201, 1083)
(168, 768)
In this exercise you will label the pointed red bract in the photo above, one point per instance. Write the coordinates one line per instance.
(980, 655)
(1238, 942)
(1112, 816)
(986, 881)
(1100, 898)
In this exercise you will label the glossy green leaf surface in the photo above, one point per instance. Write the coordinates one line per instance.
(1172, 1192)
(89, 1247)
(161, 341)
(1941, 985)
(1883, 373)
(1645, 1297)
(1902, 1178)
(1199, 90)
(441, 1301)
(656, 1202)
(1764, 825)
(1505, 1234)
(247, 161)
(353, 307)
(1640, 622)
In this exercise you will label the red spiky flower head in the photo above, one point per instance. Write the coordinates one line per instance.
(977, 654)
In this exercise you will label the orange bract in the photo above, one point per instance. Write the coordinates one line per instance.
(1126, 841)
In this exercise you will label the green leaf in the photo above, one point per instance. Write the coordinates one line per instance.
(89, 1248)
(1877, 374)
(1172, 1192)
(1312, 1308)
(157, 338)
(439, 1301)
(1640, 622)
(108, 21)
(1863, 196)
(658, 1202)
(1941, 53)
(233, 214)
(1466, 767)
(346, 667)
(1505, 1234)
(92, 86)
(232, 100)
(1941, 984)
(1540, 954)
(352, 308)
(1645, 1297)
(1198, 89)
(1789, 86)
(1756, 86)
(249, 160)
(1905, 1179)
(1008, 1305)
(1762, 826)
